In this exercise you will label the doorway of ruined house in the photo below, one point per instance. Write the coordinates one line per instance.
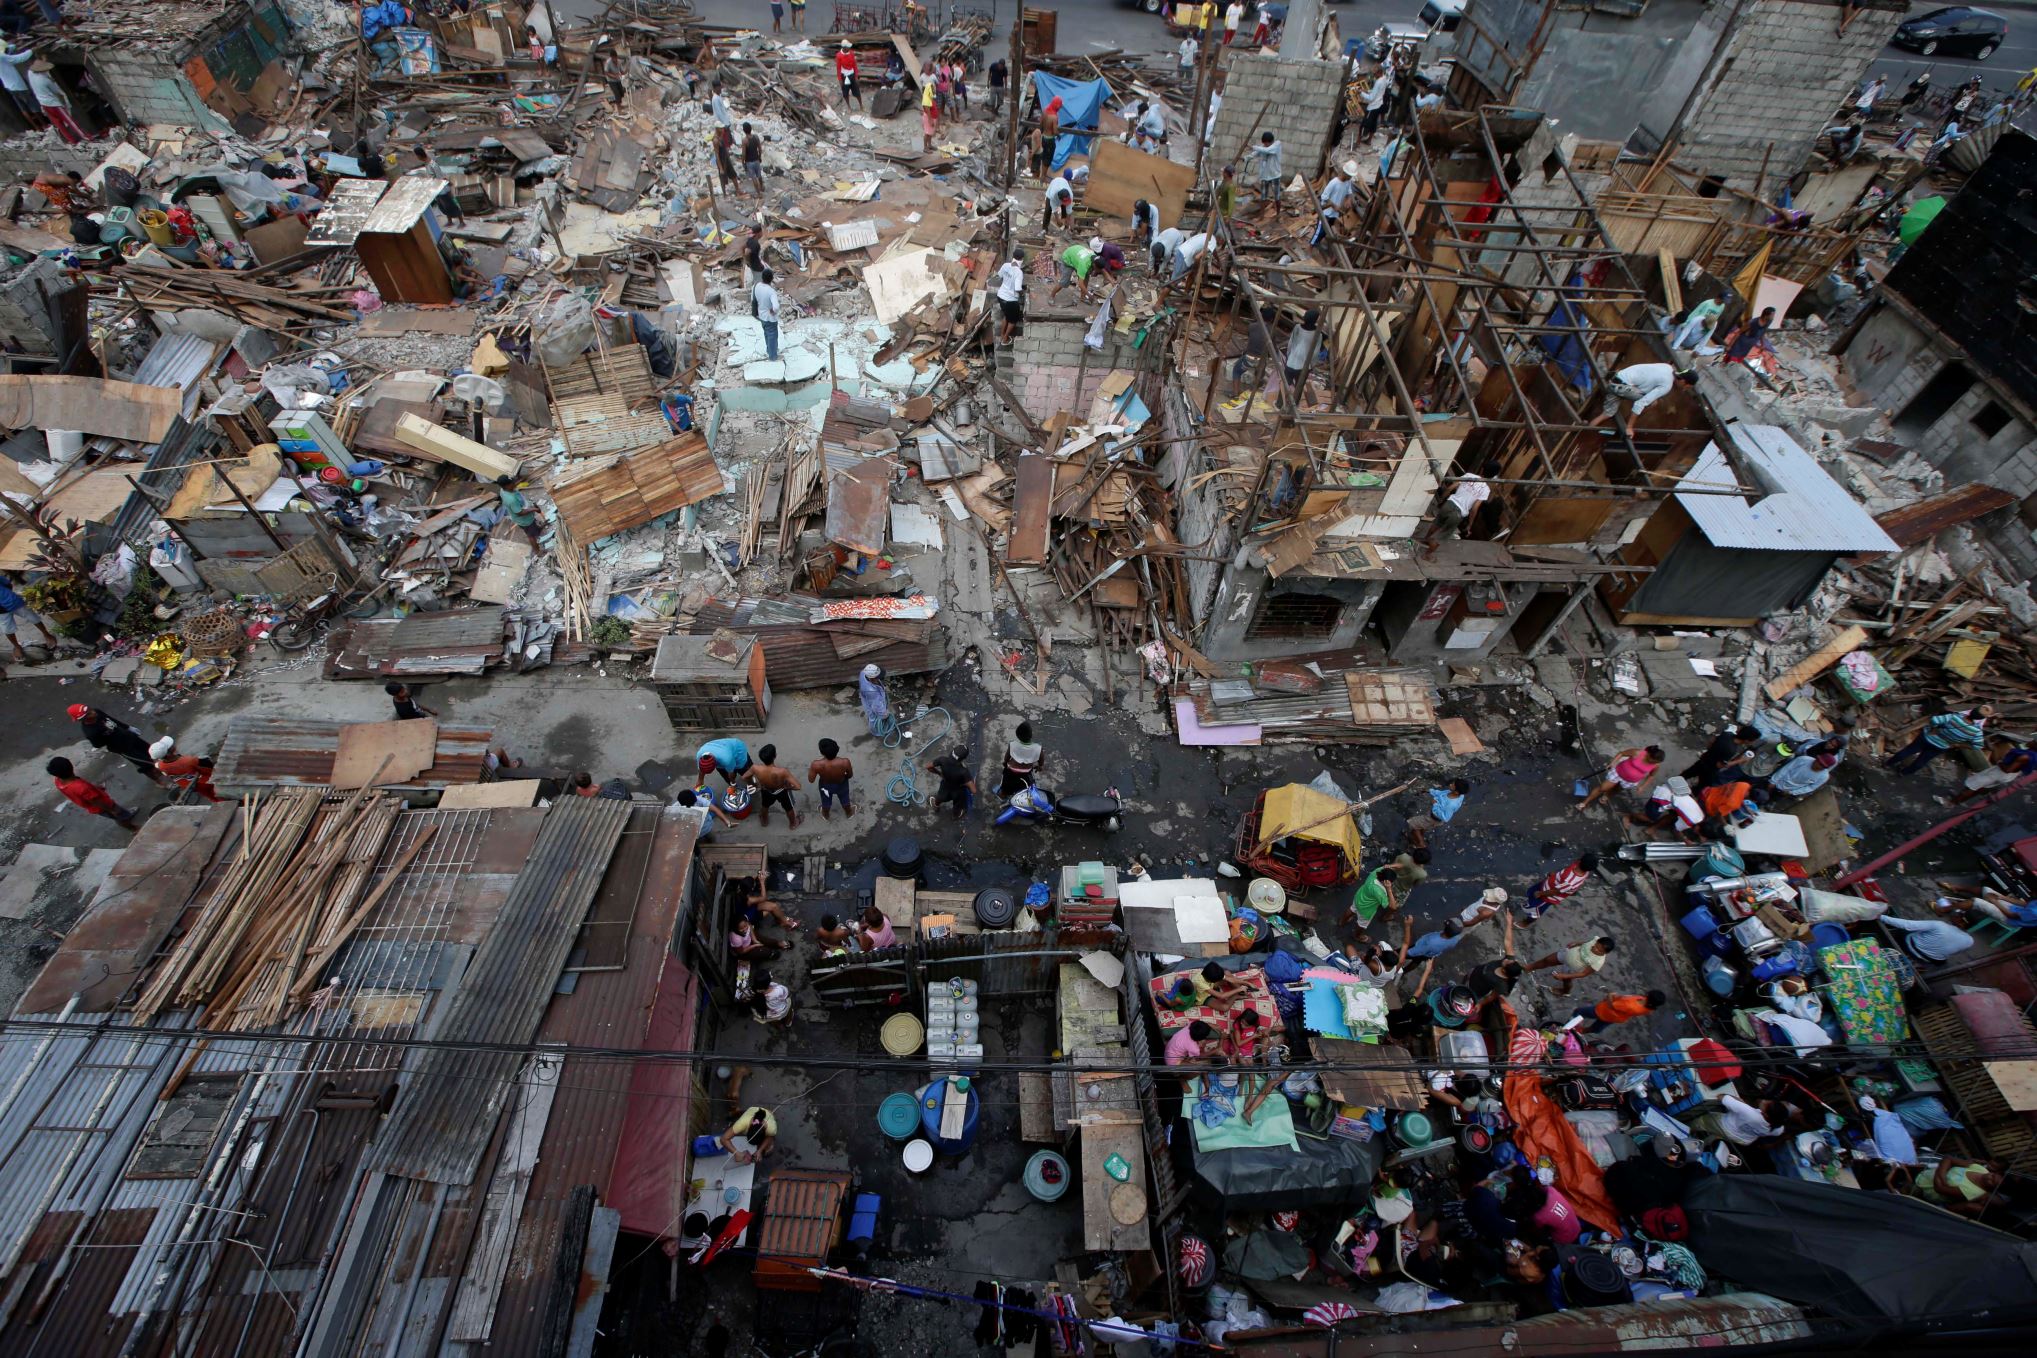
(1929, 405)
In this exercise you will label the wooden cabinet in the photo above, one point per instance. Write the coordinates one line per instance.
(712, 683)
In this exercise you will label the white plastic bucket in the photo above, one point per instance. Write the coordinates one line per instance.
(918, 1155)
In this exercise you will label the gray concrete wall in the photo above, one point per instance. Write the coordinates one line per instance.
(1415, 640)
(1245, 589)
(24, 306)
(145, 88)
(1598, 73)
(1045, 364)
(1783, 72)
(1294, 100)
(1890, 360)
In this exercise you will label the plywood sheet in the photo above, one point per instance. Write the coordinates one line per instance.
(1101, 1230)
(91, 405)
(1119, 176)
(900, 282)
(1032, 499)
(410, 747)
(489, 796)
(1463, 740)
(501, 571)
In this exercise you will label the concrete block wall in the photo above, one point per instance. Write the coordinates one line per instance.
(24, 306)
(147, 89)
(1294, 100)
(1782, 73)
(1044, 363)
(25, 157)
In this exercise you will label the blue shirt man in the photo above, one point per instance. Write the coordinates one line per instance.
(726, 755)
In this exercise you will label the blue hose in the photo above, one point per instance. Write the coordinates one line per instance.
(903, 789)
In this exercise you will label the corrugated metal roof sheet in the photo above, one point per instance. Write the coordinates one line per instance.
(1914, 523)
(179, 360)
(1802, 509)
(437, 1130)
(298, 752)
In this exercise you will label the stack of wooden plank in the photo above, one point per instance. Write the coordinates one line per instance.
(611, 495)
(294, 893)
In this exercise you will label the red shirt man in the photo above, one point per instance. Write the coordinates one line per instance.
(87, 796)
(845, 64)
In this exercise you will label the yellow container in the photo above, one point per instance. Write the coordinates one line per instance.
(156, 224)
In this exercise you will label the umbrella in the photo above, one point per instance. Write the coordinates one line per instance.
(1921, 214)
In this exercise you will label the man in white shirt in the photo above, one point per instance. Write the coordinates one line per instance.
(1743, 1124)
(1011, 295)
(1165, 243)
(1188, 252)
(1870, 96)
(1232, 18)
(55, 103)
(12, 60)
(1061, 199)
(764, 305)
(1641, 384)
(1470, 492)
(1216, 101)
(1185, 58)
(1152, 127)
(718, 105)
(1266, 167)
(1375, 105)
(1334, 196)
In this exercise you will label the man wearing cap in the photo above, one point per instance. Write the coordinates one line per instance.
(876, 702)
(185, 770)
(115, 737)
(725, 755)
(1641, 385)
(845, 71)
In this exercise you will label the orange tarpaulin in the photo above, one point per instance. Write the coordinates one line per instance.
(1541, 1129)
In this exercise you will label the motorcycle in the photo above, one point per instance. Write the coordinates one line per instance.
(1033, 806)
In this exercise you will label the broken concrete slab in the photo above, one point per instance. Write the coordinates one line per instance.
(40, 870)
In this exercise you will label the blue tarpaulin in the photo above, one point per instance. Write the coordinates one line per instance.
(1081, 102)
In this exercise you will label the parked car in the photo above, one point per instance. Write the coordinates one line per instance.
(1955, 31)
(1442, 16)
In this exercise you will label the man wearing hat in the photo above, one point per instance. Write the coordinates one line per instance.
(55, 104)
(876, 702)
(845, 71)
(115, 737)
(185, 770)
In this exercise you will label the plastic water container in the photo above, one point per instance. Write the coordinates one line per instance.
(1720, 978)
(965, 1027)
(941, 1051)
(968, 1051)
(938, 1003)
(960, 988)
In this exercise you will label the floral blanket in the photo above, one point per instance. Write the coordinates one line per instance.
(1219, 1017)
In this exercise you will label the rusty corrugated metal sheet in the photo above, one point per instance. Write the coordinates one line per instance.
(438, 1128)
(1912, 524)
(298, 752)
(583, 1140)
(797, 656)
(458, 641)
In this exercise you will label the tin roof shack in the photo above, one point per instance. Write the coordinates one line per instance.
(1469, 329)
(395, 233)
(1741, 91)
(1720, 560)
(383, 1187)
(185, 64)
(1950, 349)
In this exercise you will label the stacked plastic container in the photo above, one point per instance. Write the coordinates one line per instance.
(953, 1027)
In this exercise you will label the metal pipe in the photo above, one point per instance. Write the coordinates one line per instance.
(1873, 865)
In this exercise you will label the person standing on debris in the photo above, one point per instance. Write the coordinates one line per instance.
(1641, 385)
(777, 16)
(1022, 756)
(185, 770)
(1258, 346)
(1050, 135)
(1262, 29)
(718, 105)
(1947, 731)
(1630, 769)
(1695, 331)
(799, 16)
(1376, 95)
(1233, 16)
(55, 104)
(1227, 194)
(1336, 195)
(1301, 352)
(87, 795)
(1060, 202)
(15, 614)
(764, 305)
(1184, 60)
(944, 90)
(997, 75)
(845, 73)
(929, 116)
(875, 701)
(959, 74)
(830, 774)
(1011, 296)
(753, 255)
(724, 159)
(753, 159)
(958, 784)
(776, 783)
(1751, 336)
(516, 508)
(408, 708)
(1871, 95)
(727, 756)
(1266, 168)
(115, 736)
(12, 59)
